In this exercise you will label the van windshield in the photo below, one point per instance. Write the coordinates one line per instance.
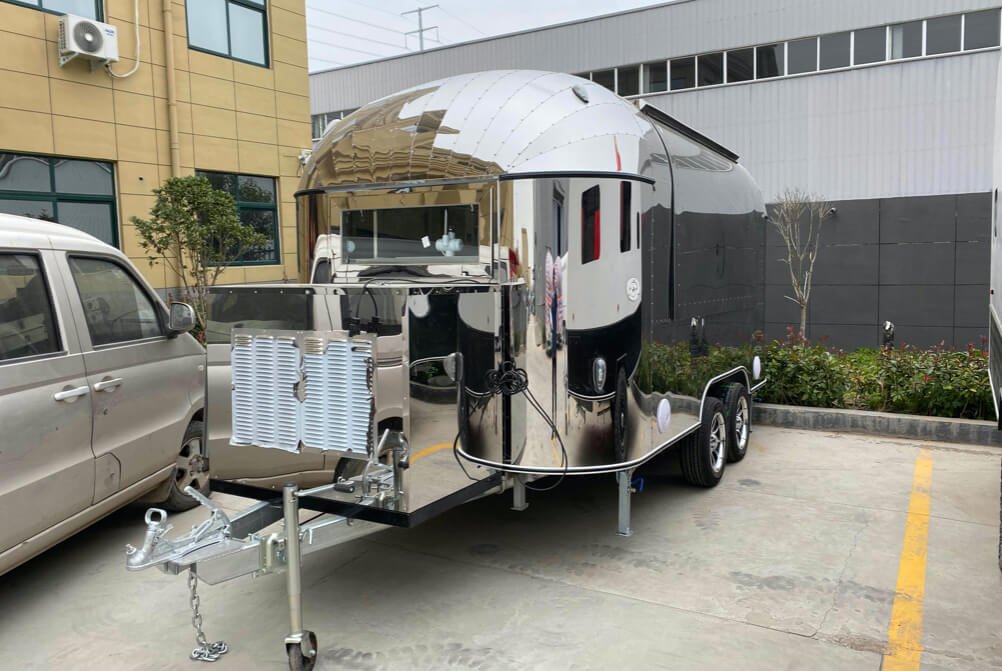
(419, 235)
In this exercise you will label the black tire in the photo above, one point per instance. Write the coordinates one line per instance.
(620, 418)
(737, 412)
(188, 470)
(297, 660)
(704, 458)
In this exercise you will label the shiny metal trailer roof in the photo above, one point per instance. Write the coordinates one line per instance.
(485, 124)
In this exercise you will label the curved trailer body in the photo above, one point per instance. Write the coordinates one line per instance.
(541, 268)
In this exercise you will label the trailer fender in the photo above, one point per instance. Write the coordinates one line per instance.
(715, 387)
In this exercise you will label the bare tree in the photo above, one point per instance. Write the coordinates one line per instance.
(798, 217)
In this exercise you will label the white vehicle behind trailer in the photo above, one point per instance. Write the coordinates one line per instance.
(521, 275)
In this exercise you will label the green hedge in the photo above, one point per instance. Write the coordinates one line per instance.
(940, 381)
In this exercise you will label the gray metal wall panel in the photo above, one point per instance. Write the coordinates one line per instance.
(631, 37)
(901, 129)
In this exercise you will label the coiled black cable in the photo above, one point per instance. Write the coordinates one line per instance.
(510, 380)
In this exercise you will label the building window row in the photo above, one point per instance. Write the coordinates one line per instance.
(81, 194)
(914, 39)
(321, 121)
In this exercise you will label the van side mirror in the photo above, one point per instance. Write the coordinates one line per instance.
(182, 318)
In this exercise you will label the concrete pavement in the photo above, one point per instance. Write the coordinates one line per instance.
(791, 563)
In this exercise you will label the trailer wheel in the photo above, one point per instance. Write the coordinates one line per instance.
(303, 656)
(737, 410)
(704, 458)
(620, 418)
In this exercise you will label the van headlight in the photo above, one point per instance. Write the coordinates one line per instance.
(598, 371)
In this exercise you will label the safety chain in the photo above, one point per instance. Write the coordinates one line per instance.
(205, 652)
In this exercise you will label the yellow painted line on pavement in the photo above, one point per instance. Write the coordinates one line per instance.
(431, 450)
(904, 635)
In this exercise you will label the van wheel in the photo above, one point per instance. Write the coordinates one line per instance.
(189, 470)
(704, 458)
(737, 410)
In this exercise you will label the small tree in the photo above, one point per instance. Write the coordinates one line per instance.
(798, 218)
(195, 231)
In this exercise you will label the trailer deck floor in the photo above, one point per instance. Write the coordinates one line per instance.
(793, 562)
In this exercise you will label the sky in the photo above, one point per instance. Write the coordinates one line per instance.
(343, 32)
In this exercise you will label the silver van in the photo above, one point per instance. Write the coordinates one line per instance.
(101, 388)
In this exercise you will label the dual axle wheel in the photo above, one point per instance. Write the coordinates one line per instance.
(725, 426)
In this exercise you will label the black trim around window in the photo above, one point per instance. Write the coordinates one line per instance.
(158, 307)
(55, 323)
(98, 8)
(261, 8)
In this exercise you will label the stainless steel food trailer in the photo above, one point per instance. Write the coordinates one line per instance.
(506, 276)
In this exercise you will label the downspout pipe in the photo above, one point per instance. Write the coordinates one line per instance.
(172, 125)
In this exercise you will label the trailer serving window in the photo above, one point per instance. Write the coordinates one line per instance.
(420, 235)
(591, 229)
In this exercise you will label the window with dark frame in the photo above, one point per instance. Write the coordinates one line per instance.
(835, 51)
(90, 9)
(981, 29)
(625, 207)
(769, 61)
(591, 225)
(740, 65)
(683, 73)
(942, 35)
(237, 29)
(802, 56)
(711, 69)
(73, 192)
(257, 207)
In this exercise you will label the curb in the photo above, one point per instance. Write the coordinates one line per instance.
(940, 429)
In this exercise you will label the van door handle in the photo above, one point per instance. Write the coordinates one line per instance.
(70, 395)
(108, 385)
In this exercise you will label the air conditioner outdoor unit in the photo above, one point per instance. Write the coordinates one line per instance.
(92, 40)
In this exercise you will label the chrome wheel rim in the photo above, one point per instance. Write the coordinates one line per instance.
(741, 424)
(718, 442)
(188, 468)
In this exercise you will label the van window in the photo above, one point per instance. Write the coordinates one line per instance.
(591, 225)
(115, 306)
(27, 325)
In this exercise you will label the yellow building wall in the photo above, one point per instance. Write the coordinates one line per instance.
(232, 116)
